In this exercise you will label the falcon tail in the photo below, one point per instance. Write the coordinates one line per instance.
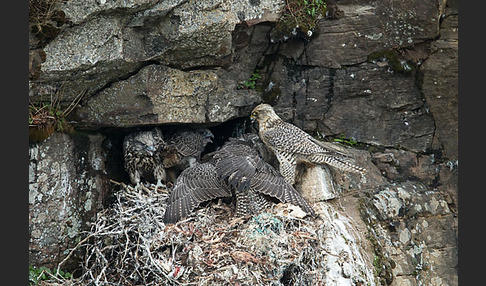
(341, 164)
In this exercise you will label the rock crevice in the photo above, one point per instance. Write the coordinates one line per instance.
(378, 76)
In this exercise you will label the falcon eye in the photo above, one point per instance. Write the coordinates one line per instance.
(254, 113)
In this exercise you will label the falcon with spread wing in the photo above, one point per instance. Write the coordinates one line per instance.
(195, 185)
(238, 170)
(292, 145)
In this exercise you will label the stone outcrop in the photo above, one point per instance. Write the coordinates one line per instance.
(416, 233)
(382, 74)
(68, 185)
(161, 94)
(360, 74)
(109, 42)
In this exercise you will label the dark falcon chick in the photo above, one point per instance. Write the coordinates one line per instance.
(252, 179)
(140, 150)
(236, 169)
(184, 149)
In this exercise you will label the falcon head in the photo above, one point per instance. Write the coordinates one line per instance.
(262, 113)
(143, 148)
(144, 143)
(207, 135)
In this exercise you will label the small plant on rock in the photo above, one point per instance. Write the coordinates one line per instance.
(346, 141)
(45, 19)
(251, 82)
(45, 117)
(299, 18)
(36, 275)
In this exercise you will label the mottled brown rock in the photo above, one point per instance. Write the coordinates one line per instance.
(401, 164)
(130, 34)
(378, 107)
(36, 57)
(366, 102)
(416, 232)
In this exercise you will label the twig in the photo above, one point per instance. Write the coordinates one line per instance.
(74, 103)
(291, 12)
(72, 251)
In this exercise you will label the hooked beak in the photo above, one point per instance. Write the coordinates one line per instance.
(208, 137)
(150, 150)
(252, 119)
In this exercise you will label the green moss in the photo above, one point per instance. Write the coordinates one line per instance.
(381, 263)
(394, 62)
(47, 116)
(346, 141)
(271, 97)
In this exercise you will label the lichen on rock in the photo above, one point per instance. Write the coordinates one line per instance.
(139, 64)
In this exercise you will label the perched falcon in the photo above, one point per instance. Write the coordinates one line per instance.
(140, 151)
(292, 145)
(184, 148)
(235, 169)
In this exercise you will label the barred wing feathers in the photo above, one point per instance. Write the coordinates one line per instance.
(194, 185)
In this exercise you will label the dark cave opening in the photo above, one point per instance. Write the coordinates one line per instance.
(113, 142)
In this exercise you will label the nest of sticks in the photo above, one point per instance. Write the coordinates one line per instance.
(129, 244)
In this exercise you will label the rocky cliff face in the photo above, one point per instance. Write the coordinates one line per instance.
(68, 184)
(379, 75)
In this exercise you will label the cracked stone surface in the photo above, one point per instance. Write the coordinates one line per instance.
(379, 72)
(67, 186)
